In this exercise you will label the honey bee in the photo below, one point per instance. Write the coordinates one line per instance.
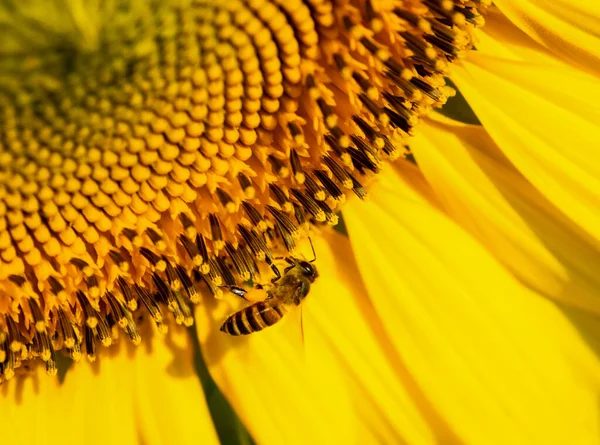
(290, 289)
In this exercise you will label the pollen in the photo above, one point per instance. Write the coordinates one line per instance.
(189, 144)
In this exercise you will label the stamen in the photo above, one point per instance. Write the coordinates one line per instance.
(90, 343)
(338, 149)
(188, 285)
(280, 198)
(215, 230)
(255, 216)
(117, 310)
(191, 250)
(255, 242)
(152, 308)
(201, 245)
(174, 282)
(67, 330)
(238, 262)
(119, 260)
(227, 277)
(314, 189)
(82, 266)
(158, 263)
(214, 273)
(330, 217)
(278, 167)
(57, 289)
(226, 200)
(169, 298)
(92, 284)
(14, 337)
(156, 239)
(299, 175)
(91, 317)
(103, 332)
(310, 205)
(38, 317)
(338, 172)
(246, 185)
(287, 229)
(127, 294)
(188, 226)
(300, 216)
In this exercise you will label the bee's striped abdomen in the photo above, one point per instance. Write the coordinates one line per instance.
(253, 318)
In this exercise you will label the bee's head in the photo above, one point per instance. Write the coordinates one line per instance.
(308, 270)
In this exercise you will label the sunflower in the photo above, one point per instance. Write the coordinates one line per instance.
(161, 161)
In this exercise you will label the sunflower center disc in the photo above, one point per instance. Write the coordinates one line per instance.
(173, 147)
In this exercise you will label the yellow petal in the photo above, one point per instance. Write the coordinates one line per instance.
(282, 390)
(502, 46)
(170, 406)
(570, 28)
(387, 401)
(488, 197)
(94, 405)
(553, 144)
(496, 361)
(148, 395)
(501, 38)
(445, 151)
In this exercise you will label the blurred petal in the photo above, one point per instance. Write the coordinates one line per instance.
(441, 149)
(151, 395)
(169, 402)
(499, 364)
(502, 38)
(550, 138)
(484, 193)
(94, 405)
(280, 393)
(570, 28)
(386, 399)
(502, 43)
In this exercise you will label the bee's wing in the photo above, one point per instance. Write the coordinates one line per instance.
(292, 328)
(298, 323)
(302, 324)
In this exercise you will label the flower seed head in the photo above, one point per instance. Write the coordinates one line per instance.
(182, 144)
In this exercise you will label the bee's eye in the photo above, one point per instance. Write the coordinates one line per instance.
(307, 268)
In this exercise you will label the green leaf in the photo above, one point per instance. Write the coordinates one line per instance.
(229, 428)
(458, 109)
(340, 227)
(63, 364)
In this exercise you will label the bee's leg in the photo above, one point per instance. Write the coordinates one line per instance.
(301, 292)
(276, 272)
(237, 291)
(286, 270)
(274, 268)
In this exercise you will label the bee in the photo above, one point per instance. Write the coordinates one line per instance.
(290, 289)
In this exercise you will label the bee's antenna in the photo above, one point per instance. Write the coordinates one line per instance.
(313, 251)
